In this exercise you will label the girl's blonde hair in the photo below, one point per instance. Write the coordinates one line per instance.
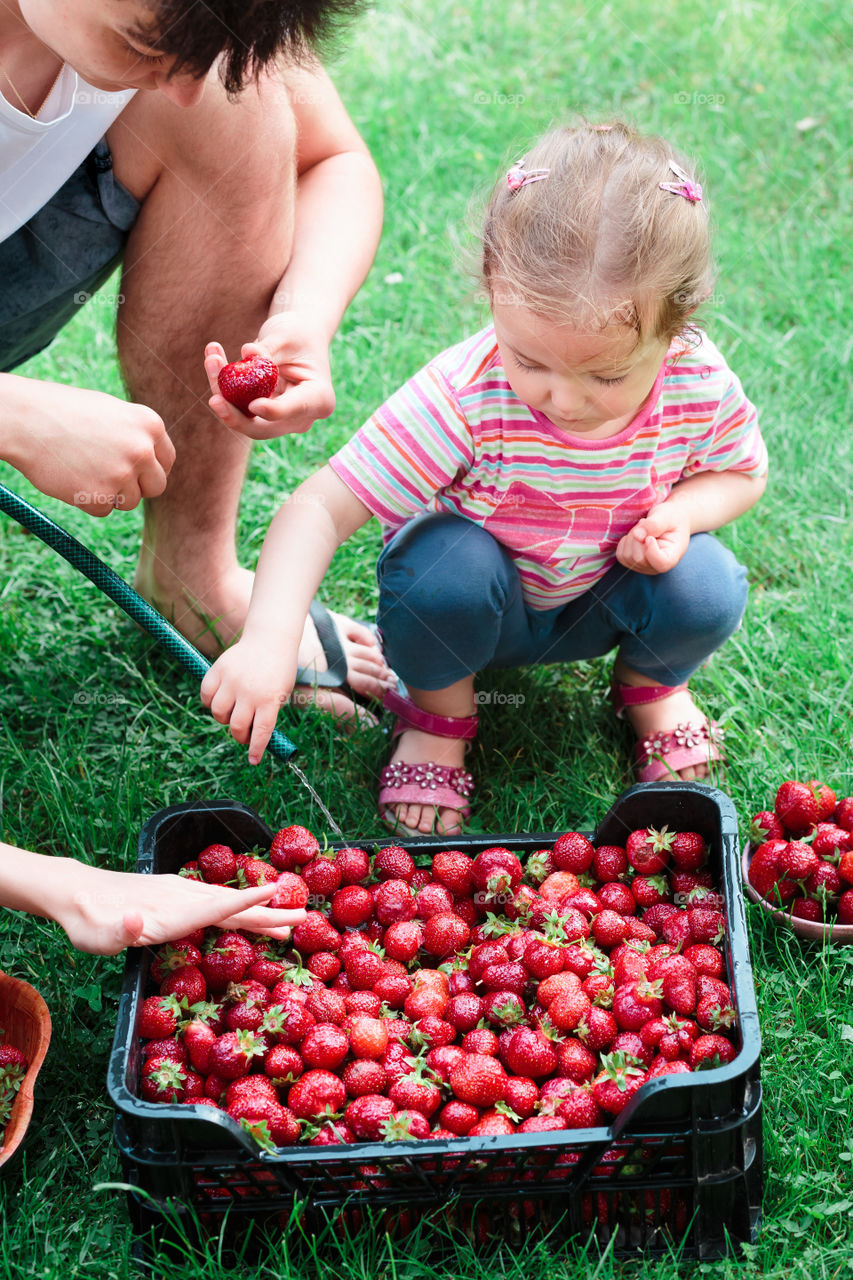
(597, 241)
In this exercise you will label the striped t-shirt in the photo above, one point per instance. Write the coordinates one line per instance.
(456, 438)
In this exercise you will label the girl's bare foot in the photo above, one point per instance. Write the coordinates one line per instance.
(416, 747)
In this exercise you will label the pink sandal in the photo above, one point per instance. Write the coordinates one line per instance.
(431, 784)
(663, 754)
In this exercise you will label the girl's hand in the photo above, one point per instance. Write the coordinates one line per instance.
(246, 688)
(656, 543)
(304, 391)
(105, 911)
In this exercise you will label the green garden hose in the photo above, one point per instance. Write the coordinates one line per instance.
(106, 580)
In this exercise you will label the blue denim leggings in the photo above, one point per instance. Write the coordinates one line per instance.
(450, 604)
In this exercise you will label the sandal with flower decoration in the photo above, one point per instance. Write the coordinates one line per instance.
(662, 754)
(435, 785)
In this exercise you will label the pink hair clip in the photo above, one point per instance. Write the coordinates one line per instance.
(519, 177)
(685, 186)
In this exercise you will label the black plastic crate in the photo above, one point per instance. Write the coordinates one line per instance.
(681, 1165)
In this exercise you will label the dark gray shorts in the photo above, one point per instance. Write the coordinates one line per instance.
(64, 252)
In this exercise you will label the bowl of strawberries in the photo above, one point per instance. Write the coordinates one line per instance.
(24, 1037)
(798, 861)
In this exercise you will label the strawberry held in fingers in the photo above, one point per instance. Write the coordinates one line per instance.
(246, 380)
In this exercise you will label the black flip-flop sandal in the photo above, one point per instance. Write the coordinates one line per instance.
(335, 675)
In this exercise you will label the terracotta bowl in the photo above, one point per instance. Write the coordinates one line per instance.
(25, 1021)
(814, 929)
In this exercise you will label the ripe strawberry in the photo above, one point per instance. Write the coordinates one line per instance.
(292, 847)
(394, 901)
(648, 891)
(689, 851)
(496, 872)
(825, 797)
(332, 1134)
(433, 1030)
(445, 934)
(714, 1014)
(635, 1003)
(159, 1017)
(232, 1053)
(706, 924)
(415, 1092)
(542, 1124)
(505, 977)
(366, 1004)
(845, 907)
(632, 1045)
(479, 1080)
(765, 876)
(830, 839)
(162, 1080)
(322, 875)
(255, 1086)
(538, 866)
(351, 906)
(287, 1023)
(765, 826)
(324, 1047)
(711, 1051)
(542, 959)
(492, 1124)
(314, 1093)
(364, 1076)
(618, 1081)
(655, 917)
(420, 877)
(609, 928)
(405, 1126)
(243, 381)
(664, 1067)
(354, 865)
(566, 1010)
(824, 881)
(364, 967)
(575, 1061)
(217, 864)
(554, 888)
(455, 871)
(572, 852)
(481, 1040)
(227, 960)
(368, 1037)
(796, 807)
(584, 901)
(677, 928)
(678, 980)
(254, 871)
(485, 954)
(173, 956)
(609, 862)
(844, 813)
(580, 1110)
(283, 1064)
(797, 861)
(459, 1117)
(503, 1008)
(597, 1028)
(649, 850)
(522, 1096)
(315, 933)
(185, 984)
(168, 1048)
(366, 1116)
(530, 1054)
(443, 1058)
(432, 900)
(393, 863)
(706, 959)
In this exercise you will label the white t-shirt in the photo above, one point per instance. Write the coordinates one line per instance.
(38, 156)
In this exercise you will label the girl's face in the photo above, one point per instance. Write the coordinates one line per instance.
(586, 383)
(107, 42)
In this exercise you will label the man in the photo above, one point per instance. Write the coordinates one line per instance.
(246, 210)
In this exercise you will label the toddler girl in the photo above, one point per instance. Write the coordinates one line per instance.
(546, 488)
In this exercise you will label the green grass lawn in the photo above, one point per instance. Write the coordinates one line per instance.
(99, 730)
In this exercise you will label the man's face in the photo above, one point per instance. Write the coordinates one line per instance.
(111, 44)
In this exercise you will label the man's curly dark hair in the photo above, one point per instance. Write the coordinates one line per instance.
(245, 34)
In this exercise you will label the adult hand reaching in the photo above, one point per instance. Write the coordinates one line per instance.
(86, 448)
